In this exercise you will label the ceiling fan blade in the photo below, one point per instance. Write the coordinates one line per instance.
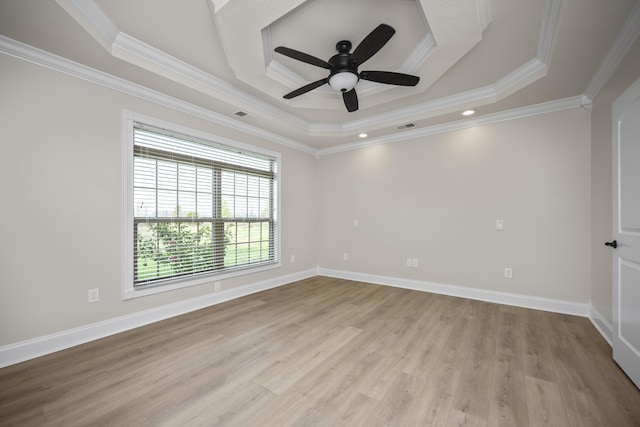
(306, 88)
(350, 100)
(373, 42)
(390, 78)
(304, 57)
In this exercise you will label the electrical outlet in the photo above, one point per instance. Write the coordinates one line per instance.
(414, 262)
(508, 273)
(408, 262)
(345, 256)
(217, 286)
(355, 223)
(94, 295)
(293, 258)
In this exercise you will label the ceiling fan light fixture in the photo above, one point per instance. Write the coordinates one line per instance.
(468, 112)
(343, 81)
(343, 67)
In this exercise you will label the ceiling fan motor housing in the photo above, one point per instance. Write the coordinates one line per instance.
(344, 71)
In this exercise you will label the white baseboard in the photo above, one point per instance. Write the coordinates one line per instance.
(538, 303)
(601, 324)
(30, 349)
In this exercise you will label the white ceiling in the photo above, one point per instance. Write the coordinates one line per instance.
(491, 55)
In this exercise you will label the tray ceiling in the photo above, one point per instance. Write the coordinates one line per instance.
(490, 55)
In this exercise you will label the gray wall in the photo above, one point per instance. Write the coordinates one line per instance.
(436, 199)
(61, 197)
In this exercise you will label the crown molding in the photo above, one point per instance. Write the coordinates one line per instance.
(514, 81)
(125, 47)
(40, 57)
(449, 104)
(241, 33)
(128, 48)
(626, 38)
(108, 35)
(586, 103)
(155, 60)
(91, 17)
(36, 56)
(517, 113)
(550, 17)
(519, 78)
(485, 13)
(529, 72)
(418, 55)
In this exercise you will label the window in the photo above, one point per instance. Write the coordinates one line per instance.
(198, 208)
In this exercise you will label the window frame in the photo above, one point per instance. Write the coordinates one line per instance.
(130, 288)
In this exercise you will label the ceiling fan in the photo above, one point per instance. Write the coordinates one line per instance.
(343, 74)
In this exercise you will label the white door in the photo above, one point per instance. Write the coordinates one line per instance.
(626, 232)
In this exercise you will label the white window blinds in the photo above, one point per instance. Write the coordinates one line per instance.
(199, 207)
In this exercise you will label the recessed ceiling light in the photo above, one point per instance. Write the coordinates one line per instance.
(363, 135)
(468, 112)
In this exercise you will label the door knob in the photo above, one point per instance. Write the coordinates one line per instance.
(613, 244)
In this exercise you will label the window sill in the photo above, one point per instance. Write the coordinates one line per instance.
(131, 292)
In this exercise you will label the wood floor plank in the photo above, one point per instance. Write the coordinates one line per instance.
(545, 407)
(592, 376)
(470, 404)
(395, 404)
(290, 371)
(445, 367)
(536, 349)
(508, 405)
(331, 352)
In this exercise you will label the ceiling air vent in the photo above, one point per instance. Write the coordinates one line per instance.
(408, 125)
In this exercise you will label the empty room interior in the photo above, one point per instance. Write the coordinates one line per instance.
(320, 212)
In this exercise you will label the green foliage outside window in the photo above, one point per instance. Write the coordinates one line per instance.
(166, 249)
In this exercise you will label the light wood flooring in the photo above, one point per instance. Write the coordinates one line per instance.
(329, 352)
